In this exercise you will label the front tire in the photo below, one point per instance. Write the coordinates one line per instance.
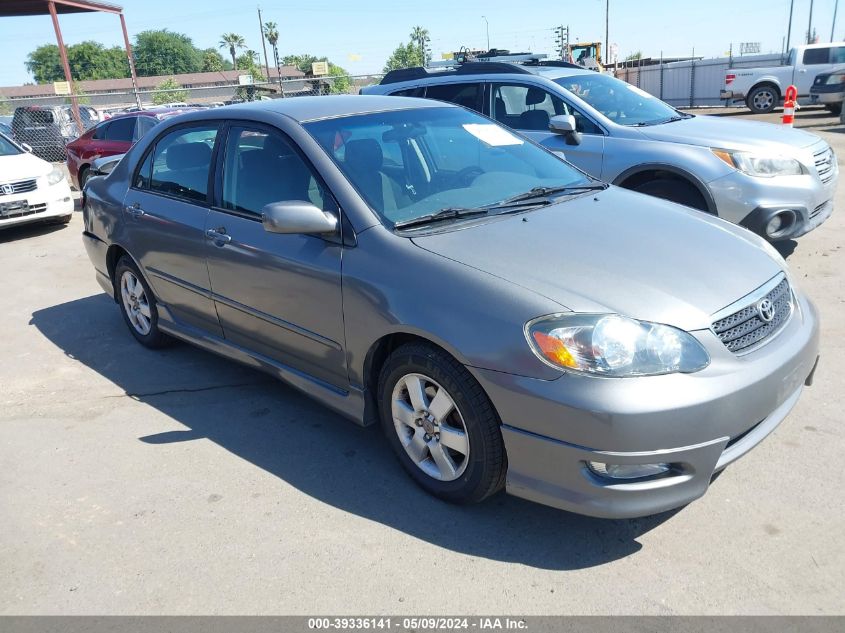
(441, 425)
(84, 174)
(138, 305)
(834, 108)
(763, 99)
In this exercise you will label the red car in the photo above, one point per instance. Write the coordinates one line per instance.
(111, 137)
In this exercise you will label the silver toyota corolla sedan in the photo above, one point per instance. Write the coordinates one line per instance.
(508, 320)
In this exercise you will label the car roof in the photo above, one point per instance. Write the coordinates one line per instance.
(488, 70)
(303, 109)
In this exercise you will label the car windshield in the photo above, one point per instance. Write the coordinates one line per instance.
(7, 148)
(620, 102)
(416, 162)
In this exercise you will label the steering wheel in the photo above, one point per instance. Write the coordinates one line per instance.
(466, 176)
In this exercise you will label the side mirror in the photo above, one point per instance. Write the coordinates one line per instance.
(27, 147)
(296, 216)
(104, 166)
(564, 124)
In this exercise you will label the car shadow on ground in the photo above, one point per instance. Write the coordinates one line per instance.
(25, 231)
(320, 453)
(785, 248)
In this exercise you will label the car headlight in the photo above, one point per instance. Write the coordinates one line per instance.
(759, 165)
(55, 177)
(613, 345)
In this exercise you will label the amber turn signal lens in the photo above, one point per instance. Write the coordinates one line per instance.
(554, 349)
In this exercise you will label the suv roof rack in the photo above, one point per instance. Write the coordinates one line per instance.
(467, 68)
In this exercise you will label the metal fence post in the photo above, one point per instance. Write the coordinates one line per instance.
(661, 75)
(692, 80)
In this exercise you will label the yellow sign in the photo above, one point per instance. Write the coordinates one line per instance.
(320, 68)
(61, 87)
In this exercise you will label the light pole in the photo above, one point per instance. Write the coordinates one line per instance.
(810, 25)
(833, 25)
(789, 28)
(484, 17)
(606, 34)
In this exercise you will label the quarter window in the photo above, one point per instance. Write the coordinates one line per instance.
(467, 95)
(181, 161)
(837, 55)
(261, 167)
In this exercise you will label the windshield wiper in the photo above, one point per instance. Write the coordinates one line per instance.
(449, 213)
(545, 192)
(679, 117)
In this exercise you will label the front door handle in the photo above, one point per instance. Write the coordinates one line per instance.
(218, 236)
(135, 210)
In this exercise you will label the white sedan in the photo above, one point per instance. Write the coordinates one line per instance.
(31, 189)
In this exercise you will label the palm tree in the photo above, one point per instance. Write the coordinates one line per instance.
(232, 41)
(271, 32)
(420, 37)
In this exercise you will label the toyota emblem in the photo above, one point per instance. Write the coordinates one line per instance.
(8, 190)
(766, 310)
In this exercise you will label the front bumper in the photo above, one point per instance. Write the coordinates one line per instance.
(698, 423)
(828, 95)
(44, 203)
(744, 200)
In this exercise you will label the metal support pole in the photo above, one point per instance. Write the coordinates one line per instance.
(263, 44)
(606, 33)
(131, 62)
(833, 24)
(810, 25)
(789, 28)
(66, 66)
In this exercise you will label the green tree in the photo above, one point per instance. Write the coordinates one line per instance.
(339, 85)
(271, 33)
(164, 52)
(419, 36)
(45, 65)
(5, 108)
(173, 92)
(405, 56)
(91, 60)
(634, 56)
(233, 42)
(302, 62)
(212, 61)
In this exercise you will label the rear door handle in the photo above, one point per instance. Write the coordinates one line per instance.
(218, 236)
(135, 210)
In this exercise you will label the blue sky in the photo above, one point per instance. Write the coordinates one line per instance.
(360, 35)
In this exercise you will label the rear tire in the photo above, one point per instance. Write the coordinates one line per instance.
(84, 174)
(447, 402)
(673, 190)
(835, 108)
(138, 305)
(763, 99)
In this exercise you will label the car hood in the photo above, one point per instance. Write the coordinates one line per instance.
(22, 167)
(727, 133)
(617, 251)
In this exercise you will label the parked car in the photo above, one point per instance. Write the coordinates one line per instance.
(763, 89)
(509, 320)
(829, 89)
(6, 129)
(779, 183)
(31, 189)
(113, 136)
(46, 129)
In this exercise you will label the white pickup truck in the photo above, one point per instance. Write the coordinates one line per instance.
(762, 88)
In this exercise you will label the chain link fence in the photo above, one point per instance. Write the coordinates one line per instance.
(48, 123)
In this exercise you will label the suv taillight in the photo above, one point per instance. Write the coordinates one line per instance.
(729, 79)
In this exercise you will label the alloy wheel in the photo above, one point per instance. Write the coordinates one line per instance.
(430, 427)
(135, 302)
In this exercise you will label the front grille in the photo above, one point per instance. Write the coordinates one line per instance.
(745, 328)
(824, 164)
(21, 186)
(24, 211)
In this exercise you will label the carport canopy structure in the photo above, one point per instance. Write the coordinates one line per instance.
(18, 8)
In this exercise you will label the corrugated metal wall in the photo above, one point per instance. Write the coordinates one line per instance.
(690, 83)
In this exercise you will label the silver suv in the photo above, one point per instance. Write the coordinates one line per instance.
(776, 181)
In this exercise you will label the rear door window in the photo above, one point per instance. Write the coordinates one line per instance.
(814, 56)
(122, 129)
